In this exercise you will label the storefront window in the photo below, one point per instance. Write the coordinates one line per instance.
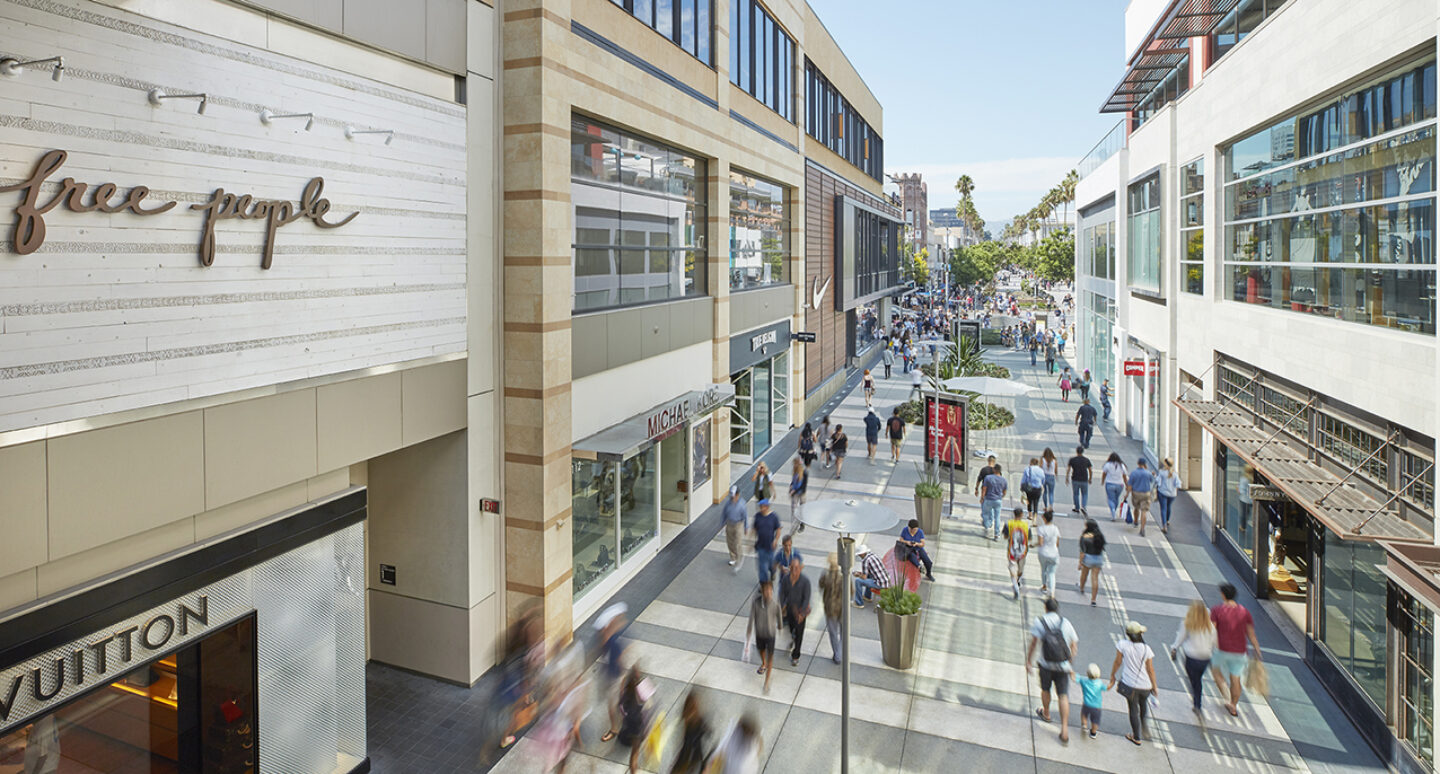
(759, 232)
(592, 505)
(780, 391)
(1237, 504)
(867, 327)
(1144, 250)
(741, 415)
(1353, 626)
(638, 507)
(1415, 626)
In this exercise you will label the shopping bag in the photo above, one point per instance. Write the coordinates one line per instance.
(745, 656)
(1127, 512)
(1256, 680)
(654, 746)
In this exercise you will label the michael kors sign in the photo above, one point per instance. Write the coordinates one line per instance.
(29, 233)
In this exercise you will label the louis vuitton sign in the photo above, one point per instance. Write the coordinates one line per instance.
(29, 231)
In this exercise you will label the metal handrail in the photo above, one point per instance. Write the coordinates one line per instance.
(1356, 469)
(1281, 426)
(1393, 498)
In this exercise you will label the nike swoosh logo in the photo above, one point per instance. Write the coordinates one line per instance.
(818, 293)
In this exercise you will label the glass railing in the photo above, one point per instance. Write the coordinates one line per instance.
(1108, 146)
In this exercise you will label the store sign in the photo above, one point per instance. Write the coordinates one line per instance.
(673, 416)
(945, 429)
(33, 686)
(759, 341)
(29, 231)
(1134, 367)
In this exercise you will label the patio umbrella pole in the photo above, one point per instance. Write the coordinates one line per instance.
(845, 543)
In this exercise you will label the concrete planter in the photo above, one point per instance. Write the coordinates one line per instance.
(927, 511)
(898, 635)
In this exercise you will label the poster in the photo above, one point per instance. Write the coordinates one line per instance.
(701, 455)
(968, 329)
(945, 429)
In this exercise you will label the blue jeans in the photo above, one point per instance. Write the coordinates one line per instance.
(1080, 492)
(1086, 433)
(990, 514)
(1165, 503)
(1032, 357)
(863, 586)
(1106, 405)
(1113, 493)
(764, 557)
(1047, 572)
(1049, 499)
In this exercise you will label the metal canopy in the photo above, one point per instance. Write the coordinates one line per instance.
(1163, 50)
(1340, 506)
(638, 433)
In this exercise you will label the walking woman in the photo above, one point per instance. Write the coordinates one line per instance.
(807, 445)
(839, 446)
(1065, 385)
(1196, 643)
(1167, 487)
(764, 484)
(1092, 557)
(1051, 466)
(1113, 476)
(1083, 385)
(799, 484)
(694, 737)
(824, 437)
(869, 382)
(1047, 536)
(1135, 667)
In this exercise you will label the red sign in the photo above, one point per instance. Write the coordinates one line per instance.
(945, 429)
(1134, 367)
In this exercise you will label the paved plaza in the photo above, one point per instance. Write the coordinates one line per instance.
(968, 698)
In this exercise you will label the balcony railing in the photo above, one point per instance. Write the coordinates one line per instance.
(1108, 146)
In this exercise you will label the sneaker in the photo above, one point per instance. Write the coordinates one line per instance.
(1142, 532)
(1092, 733)
(1092, 603)
(732, 562)
(857, 604)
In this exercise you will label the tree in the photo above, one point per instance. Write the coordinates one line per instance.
(914, 267)
(965, 207)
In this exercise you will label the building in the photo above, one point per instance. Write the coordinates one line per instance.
(915, 204)
(951, 231)
(1256, 278)
(249, 322)
(686, 185)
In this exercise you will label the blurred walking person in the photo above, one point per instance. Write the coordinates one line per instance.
(799, 485)
(795, 606)
(1195, 644)
(765, 621)
(694, 737)
(735, 516)
(832, 596)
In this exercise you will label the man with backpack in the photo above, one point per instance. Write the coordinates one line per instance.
(1058, 644)
(895, 428)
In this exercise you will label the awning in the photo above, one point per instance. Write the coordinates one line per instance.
(1164, 48)
(1416, 568)
(1342, 507)
(636, 434)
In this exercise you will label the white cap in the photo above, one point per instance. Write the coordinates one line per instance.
(610, 614)
(862, 550)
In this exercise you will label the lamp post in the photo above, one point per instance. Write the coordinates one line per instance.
(848, 518)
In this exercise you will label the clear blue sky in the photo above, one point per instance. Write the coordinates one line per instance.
(1007, 91)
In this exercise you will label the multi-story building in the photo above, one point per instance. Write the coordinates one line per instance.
(1256, 278)
(951, 231)
(248, 307)
(915, 206)
(686, 185)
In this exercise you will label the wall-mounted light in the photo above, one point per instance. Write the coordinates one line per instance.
(351, 133)
(158, 97)
(268, 116)
(12, 67)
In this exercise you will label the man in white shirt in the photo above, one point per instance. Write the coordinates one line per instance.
(1053, 635)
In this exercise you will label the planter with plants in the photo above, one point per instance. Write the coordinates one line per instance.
(898, 612)
(927, 505)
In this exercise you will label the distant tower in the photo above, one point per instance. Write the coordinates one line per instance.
(914, 202)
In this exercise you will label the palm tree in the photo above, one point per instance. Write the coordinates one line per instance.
(964, 186)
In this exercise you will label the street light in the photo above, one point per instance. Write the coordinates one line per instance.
(848, 518)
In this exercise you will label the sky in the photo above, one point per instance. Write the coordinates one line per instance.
(1006, 91)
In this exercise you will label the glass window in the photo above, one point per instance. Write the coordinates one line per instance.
(759, 232)
(1192, 227)
(1418, 481)
(687, 25)
(1144, 233)
(761, 57)
(704, 33)
(1353, 627)
(592, 491)
(639, 506)
(685, 22)
(1237, 504)
(741, 415)
(1415, 626)
(837, 126)
(780, 391)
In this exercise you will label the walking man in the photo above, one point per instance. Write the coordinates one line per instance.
(832, 595)
(992, 492)
(765, 528)
(1017, 547)
(887, 356)
(795, 605)
(735, 516)
(984, 471)
(872, 432)
(895, 428)
(1105, 399)
(1234, 628)
(1140, 485)
(1085, 422)
(1077, 475)
(1053, 635)
(1050, 354)
(917, 381)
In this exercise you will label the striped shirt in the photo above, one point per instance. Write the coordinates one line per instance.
(875, 570)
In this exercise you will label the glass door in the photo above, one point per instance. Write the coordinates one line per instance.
(740, 413)
(761, 409)
(673, 471)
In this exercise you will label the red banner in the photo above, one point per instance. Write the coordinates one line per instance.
(945, 429)
(1134, 367)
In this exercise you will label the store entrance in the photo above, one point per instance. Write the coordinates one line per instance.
(674, 470)
(1286, 553)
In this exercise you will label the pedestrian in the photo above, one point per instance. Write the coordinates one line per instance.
(1051, 466)
(1092, 692)
(1032, 485)
(1114, 476)
(799, 486)
(1034, 345)
(1065, 385)
(1140, 486)
(795, 605)
(694, 737)
(1057, 642)
(895, 428)
(1085, 422)
(992, 492)
(1167, 488)
(1195, 643)
(610, 623)
(765, 528)
(917, 385)
(633, 720)
(872, 433)
(765, 617)
(912, 539)
(1105, 398)
(739, 752)
(824, 438)
(887, 356)
(839, 447)
(832, 596)
(1050, 355)
(1135, 669)
(735, 517)
(558, 732)
(1083, 385)
(1234, 628)
(807, 445)
(1092, 558)
(1047, 547)
(985, 470)
(764, 483)
(871, 577)
(1017, 548)
(1077, 475)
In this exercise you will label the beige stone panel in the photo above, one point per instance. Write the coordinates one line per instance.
(420, 635)
(524, 557)
(481, 40)
(258, 445)
(522, 483)
(356, 420)
(88, 565)
(17, 589)
(419, 519)
(486, 630)
(558, 413)
(327, 484)
(360, 474)
(23, 506)
(433, 401)
(108, 484)
(250, 510)
(484, 450)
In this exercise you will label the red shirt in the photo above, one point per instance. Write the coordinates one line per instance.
(1231, 622)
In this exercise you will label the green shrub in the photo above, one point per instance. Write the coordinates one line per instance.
(897, 601)
(913, 412)
(929, 489)
(993, 369)
(988, 416)
(989, 336)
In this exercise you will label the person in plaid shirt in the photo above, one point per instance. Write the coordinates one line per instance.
(872, 575)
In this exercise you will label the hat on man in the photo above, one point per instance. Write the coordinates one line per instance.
(764, 501)
(862, 550)
(734, 490)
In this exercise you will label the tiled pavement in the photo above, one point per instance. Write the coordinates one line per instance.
(968, 701)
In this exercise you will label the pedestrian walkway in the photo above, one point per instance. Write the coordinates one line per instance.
(968, 697)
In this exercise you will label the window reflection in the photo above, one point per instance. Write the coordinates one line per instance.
(1144, 232)
(592, 487)
(759, 232)
(762, 57)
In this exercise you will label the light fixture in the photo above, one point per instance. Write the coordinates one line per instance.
(11, 66)
(351, 132)
(158, 97)
(268, 116)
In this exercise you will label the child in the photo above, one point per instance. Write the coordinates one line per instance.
(1093, 688)
(1065, 386)
(1017, 546)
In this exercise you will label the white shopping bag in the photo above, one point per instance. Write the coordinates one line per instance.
(746, 655)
